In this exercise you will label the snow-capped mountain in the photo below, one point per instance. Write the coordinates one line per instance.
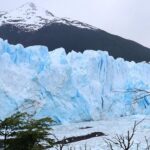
(32, 25)
(32, 17)
(27, 16)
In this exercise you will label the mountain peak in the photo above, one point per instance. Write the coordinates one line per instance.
(34, 8)
(30, 16)
(30, 5)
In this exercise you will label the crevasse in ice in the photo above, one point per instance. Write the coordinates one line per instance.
(70, 87)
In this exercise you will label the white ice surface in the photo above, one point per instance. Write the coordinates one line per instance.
(110, 127)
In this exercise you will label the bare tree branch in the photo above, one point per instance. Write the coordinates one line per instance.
(124, 142)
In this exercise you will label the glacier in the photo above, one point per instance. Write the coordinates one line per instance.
(70, 87)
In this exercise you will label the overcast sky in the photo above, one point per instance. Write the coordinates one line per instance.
(127, 18)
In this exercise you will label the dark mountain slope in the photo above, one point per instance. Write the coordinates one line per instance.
(55, 35)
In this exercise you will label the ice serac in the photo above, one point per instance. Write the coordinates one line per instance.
(70, 87)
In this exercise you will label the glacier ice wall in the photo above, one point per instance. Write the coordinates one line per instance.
(70, 87)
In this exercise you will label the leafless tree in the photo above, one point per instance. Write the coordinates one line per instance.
(147, 144)
(80, 148)
(123, 142)
(139, 94)
(59, 145)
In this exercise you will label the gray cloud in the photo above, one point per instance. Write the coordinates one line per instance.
(127, 18)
